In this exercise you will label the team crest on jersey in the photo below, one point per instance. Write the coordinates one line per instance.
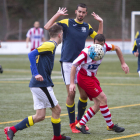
(96, 90)
(83, 29)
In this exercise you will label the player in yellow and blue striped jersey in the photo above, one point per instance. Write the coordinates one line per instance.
(136, 52)
(75, 33)
(42, 61)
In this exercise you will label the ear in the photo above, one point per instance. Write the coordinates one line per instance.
(75, 11)
(59, 35)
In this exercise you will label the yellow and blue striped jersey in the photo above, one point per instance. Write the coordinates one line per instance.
(74, 37)
(44, 63)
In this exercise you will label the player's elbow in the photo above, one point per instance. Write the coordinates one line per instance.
(46, 27)
(117, 48)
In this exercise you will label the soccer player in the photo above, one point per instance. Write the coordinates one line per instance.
(1, 70)
(42, 61)
(136, 52)
(88, 82)
(75, 33)
(36, 35)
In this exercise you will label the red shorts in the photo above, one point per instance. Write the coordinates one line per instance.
(90, 85)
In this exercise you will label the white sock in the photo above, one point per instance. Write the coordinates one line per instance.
(139, 73)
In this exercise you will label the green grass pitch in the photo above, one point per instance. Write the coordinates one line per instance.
(122, 90)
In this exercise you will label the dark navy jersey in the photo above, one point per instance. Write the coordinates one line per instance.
(44, 64)
(74, 37)
(137, 35)
(136, 45)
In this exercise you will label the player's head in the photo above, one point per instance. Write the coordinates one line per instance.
(36, 24)
(99, 39)
(81, 12)
(56, 32)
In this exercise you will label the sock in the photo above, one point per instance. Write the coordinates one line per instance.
(139, 73)
(82, 104)
(27, 122)
(107, 115)
(90, 113)
(71, 112)
(56, 123)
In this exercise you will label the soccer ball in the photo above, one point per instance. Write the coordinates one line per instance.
(96, 52)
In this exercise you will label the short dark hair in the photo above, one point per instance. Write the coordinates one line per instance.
(55, 30)
(99, 37)
(82, 5)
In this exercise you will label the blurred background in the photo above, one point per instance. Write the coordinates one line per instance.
(18, 16)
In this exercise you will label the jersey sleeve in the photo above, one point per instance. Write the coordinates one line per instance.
(80, 59)
(46, 47)
(29, 33)
(109, 47)
(134, 47)
(32, 57)
(92, 33)
(64, 23)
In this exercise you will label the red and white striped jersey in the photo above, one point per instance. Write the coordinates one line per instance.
(86, 65)
(35, 36)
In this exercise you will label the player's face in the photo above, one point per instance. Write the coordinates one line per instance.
(36, 24)
(101, 43)
(80, 14)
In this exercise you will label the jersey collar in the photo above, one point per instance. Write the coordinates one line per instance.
(77, 21)
(54, 42)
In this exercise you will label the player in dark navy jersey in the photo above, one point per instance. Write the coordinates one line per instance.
(41, 87)
(136, 52)
(75, 33)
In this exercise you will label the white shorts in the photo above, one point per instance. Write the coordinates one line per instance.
(43, 97)
(66, 70)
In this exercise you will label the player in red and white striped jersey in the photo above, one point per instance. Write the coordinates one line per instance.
(36, 36)
(87, 81)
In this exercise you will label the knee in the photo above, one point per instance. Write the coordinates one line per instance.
(58, 110)
(104, 98)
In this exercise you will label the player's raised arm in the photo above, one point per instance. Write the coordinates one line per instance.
(60, 12)
(124, 66)
(98, 18)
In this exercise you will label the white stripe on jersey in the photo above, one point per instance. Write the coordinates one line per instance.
(35, 36)
(88, 66)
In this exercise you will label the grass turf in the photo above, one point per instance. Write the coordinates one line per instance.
(122, 91)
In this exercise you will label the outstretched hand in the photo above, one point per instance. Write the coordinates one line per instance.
(97, 17)
(125, 68)
(62, 11)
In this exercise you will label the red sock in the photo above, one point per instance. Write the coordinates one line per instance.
(90, 113)
(107, 115)
(57, 137)
(13, 129)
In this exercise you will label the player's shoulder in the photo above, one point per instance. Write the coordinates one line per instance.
(63, 20)
(48, 43)
(85, 50)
